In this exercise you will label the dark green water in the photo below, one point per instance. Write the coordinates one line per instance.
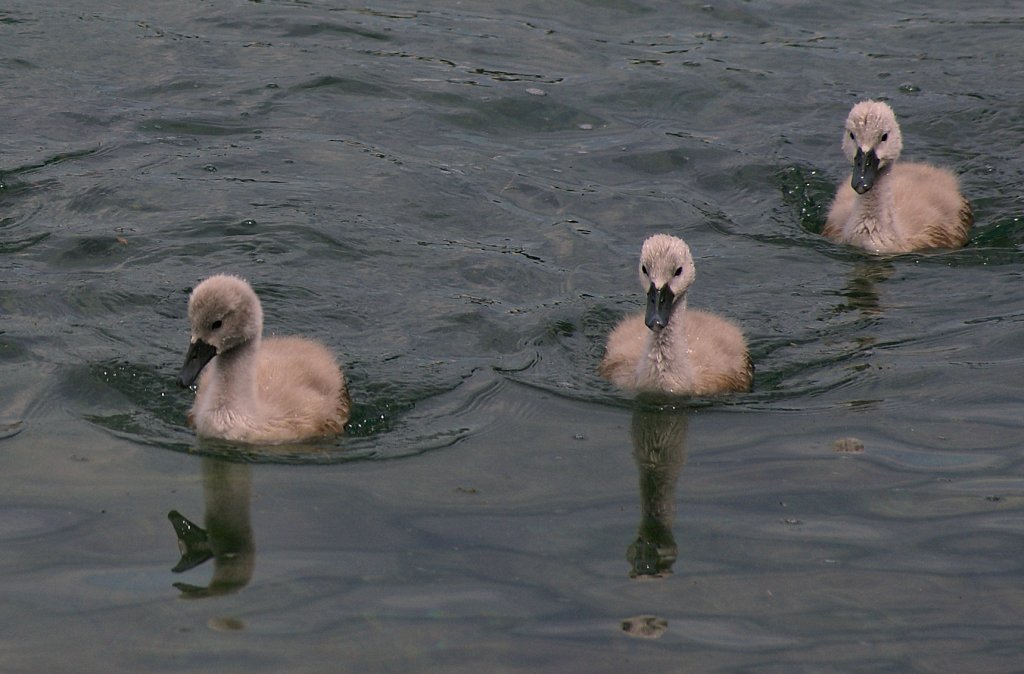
(452, 196)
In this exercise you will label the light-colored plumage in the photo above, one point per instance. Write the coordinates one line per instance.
(673, 349)
(256, 390)
(890, 207)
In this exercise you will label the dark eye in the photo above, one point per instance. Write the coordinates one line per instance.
(852, 137)
(885, 137)
(679, 271)
(643, 268)
(216, 325)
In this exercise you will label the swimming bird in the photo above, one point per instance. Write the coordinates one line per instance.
(256, 390)
(891, 207)
(672, 349)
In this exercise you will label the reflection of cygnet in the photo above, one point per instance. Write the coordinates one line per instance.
(672, 349)
(890, 207)
(228, 535)
(256, 390)
(659, 448)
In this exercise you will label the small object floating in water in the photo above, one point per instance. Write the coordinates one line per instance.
(226, 624)
(672, 349)
(890, 207)
(256, 390)
(848, 446)
(10, 429)
(645, 626)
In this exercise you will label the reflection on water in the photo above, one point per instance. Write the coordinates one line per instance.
(860, 291)
(497, 164)
(227, 537)
(659, 449)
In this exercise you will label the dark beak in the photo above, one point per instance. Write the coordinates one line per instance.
(865, 170)
(659, 307)
(199, 354)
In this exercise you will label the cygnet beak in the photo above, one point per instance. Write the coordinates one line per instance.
(199, 354)
(865, 170)
(659, 306)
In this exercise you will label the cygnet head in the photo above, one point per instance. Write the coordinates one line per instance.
(871, 141)
(666, 272)
(224, 313)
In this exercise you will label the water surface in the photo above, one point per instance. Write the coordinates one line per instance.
(452, 197)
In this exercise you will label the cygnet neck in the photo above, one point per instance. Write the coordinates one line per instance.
(669, 355)
(674, 331)
(876, 217)
(234, 377)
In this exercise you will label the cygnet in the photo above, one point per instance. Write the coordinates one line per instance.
(890, 207)
(256, 390)
(672, 349)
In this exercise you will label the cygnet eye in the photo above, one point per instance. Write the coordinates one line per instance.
(679, 271)
(852, 137)
(216, 324)
(885, 137)
(643, 268)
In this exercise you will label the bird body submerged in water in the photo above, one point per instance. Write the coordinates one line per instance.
(890, 206)
(251, 389)
(672, 349)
